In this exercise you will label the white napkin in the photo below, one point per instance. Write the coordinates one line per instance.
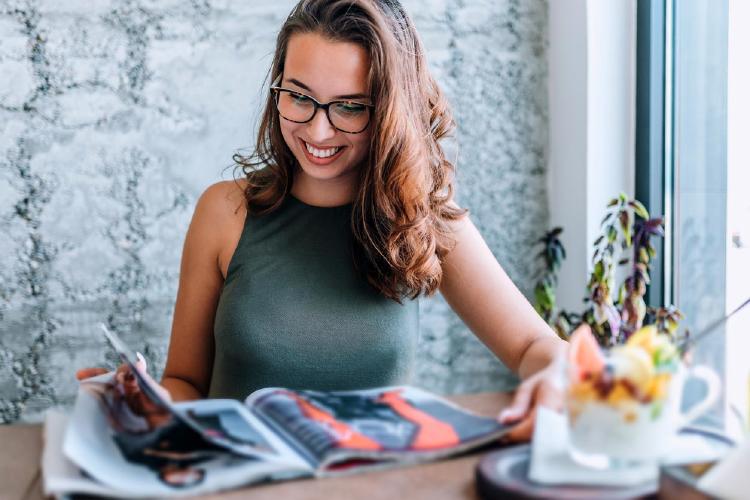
(552, 464)
(729, 478)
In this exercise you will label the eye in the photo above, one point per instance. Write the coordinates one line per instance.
(299, 98)
(350, 108)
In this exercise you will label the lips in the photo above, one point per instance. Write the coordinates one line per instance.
(320, 161)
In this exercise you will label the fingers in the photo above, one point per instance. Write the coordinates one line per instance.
(522, 431)
(530, 395)
(123, 375)
(130, 391)
(521, 402)
(85, 373)
(131, 384)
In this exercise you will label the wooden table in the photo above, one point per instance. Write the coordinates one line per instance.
(20, 474)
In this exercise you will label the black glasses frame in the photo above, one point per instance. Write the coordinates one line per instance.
(276, 90)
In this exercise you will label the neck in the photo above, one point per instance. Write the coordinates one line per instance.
(324, 193)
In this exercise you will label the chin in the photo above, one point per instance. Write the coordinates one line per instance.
(325, 172)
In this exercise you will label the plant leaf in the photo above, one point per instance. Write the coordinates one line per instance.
(639, 209)
(643, 255)
(612, 234)
(599, 270)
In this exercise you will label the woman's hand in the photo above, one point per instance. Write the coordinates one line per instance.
(85, 373)
(138, 402)
(544, 388)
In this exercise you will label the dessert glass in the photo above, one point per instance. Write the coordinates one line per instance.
(623, 405)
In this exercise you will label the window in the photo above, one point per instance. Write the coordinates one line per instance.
(738, 209)
(691, 166)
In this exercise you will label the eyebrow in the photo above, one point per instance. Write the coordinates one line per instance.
(346, 96)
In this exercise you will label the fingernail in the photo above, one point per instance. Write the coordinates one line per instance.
(140, 357)
(508, 414)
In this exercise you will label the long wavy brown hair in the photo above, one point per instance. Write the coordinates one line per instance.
(403, 202)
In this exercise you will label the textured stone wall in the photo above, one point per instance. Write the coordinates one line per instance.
(116, 114)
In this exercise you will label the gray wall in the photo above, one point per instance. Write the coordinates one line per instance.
(115, 115)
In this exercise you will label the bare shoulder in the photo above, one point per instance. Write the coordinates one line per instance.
(220, 216)
(222, 199)
(461, 223)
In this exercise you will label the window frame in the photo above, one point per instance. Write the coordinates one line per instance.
(653, 115)
(670, 110)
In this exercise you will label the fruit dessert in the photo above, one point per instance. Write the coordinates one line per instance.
(619, 403)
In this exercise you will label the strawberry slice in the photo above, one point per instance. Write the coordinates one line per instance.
(585, 357)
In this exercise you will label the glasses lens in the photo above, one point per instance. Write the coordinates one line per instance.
(295, 107)
(349, 116)
(346, 116)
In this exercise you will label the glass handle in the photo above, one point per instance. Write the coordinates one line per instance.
(713, 385)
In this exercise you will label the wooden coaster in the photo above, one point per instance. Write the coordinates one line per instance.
(504, 474)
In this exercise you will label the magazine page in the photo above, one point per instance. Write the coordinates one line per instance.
(60, 476)
(167, 415)
(170, 459)
(234, 420)
(354, 429)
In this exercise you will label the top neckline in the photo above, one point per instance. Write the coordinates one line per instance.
(300, 202)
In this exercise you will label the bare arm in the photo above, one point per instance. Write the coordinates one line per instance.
(187, 374)
(482, 294)
(479, 290)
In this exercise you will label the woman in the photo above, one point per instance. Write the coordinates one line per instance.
(307, 273)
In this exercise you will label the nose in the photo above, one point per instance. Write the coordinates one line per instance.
(320, 128)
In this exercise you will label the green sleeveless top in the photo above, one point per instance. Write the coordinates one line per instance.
(294, 313)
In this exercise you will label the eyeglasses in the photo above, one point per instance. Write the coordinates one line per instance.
(350, 117)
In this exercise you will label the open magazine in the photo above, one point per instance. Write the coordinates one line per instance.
(178, 449)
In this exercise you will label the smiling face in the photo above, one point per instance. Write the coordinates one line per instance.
(325, 70)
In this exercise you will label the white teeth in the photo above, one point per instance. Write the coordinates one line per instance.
(321, 153)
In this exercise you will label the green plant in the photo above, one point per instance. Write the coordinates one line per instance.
(553, 254)
(613, 313)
